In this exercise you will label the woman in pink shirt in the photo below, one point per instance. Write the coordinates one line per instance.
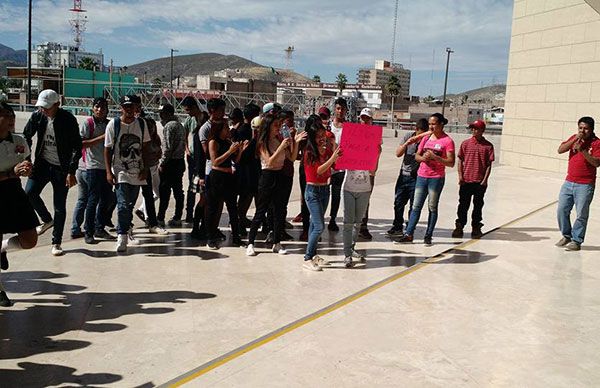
(435, 153)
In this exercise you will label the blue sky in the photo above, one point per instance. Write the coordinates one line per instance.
(329, 36)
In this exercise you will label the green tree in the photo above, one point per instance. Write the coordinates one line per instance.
(316, 78)
(157, 82)
(87, 63)
(393, 88)
(341, 82)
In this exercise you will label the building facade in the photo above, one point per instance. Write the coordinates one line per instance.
(553, 79)
(380, 74)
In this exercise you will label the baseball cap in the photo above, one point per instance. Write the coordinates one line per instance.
(126, 100)
(366, 112)
(255, 123)
(478, 124)
(47, 98)
(271, 107)
(324, 111)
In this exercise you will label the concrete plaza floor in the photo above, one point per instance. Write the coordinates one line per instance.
(510, 309)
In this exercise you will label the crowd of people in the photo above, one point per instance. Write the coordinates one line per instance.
(232, 161)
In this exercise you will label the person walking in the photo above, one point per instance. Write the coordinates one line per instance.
(337, 177)
(580, 183)
(57, 154)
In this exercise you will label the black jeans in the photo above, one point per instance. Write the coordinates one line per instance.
(404, 192)
(337, 180)
(222, 188)
(171, 178)
(148, 195)
(303, 208)
(190, 200)
(44, 173)
(270, 191)
(465, 193)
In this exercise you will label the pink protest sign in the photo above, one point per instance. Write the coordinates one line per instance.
(360, 147)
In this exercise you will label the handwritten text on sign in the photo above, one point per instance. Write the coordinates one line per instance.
(360, 147)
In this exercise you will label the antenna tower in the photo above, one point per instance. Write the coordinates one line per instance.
(288, 57)
(394, 37)
(78, 23)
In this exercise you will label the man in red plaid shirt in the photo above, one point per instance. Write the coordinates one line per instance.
(474, 167)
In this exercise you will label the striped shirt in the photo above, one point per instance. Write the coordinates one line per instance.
(476, 156)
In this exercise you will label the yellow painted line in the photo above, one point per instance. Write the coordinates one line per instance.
(224, 359)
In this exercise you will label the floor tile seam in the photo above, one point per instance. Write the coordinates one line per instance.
(215, 363)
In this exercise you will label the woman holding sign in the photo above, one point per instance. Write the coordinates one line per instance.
(435, 153)
(319, 156)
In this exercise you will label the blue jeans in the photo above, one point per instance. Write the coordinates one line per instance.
(355, 207)
(317, 198)
(431, 187)
(98, 201)
(581, 196)
(127, 196)
(44, 173)
(404, 193)
(82, 201)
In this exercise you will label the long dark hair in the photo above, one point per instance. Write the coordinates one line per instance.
(440, 118)
(263, 132)
(314, 124)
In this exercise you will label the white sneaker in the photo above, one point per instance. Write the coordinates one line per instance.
(250, 250)
(321, 262)
(311, 265)
(132, 240)
(122, 243)
(158, 230)
(356, 255)
(277, 248)
(57, 250)
(44, 227)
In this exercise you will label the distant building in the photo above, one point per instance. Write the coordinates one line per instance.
(380, 75)
(371, 95)
(55, 55)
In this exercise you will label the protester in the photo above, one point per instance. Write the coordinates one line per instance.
(196, 118)
(97, 191)
(288, 130)
(171, 165)
(475, 158)
(404, 190)
(579, 185)
(435, 153)
(337, 177)
(320, 154)
(272, 152)
(17, 213)
(247, 169)
(146, 212)
(57, 155)
(223, 154)
(366, 117)
(125, 155)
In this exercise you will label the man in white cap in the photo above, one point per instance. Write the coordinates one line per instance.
(57, 155)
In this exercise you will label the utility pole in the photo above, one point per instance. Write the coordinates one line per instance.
(449, 51)
(171, 77)
(29, 58)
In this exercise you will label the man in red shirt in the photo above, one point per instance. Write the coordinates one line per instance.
(474, 167)
(578, 189)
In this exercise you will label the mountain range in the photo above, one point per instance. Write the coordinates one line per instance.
(11, 57)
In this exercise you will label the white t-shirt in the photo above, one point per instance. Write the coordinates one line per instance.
(337, 133)
(49, 151)
(357, 181)
(203, 134)
(12, 152)
(127, 154)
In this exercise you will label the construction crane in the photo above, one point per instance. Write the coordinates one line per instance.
(78, 23)
(394, 37)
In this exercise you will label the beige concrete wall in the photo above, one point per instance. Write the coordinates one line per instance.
(553, 79)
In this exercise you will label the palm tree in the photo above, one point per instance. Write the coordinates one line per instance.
(316, 78)
(87, 63)
(341, 82)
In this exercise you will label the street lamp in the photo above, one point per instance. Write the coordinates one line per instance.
(449, 51)
(171, 78)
